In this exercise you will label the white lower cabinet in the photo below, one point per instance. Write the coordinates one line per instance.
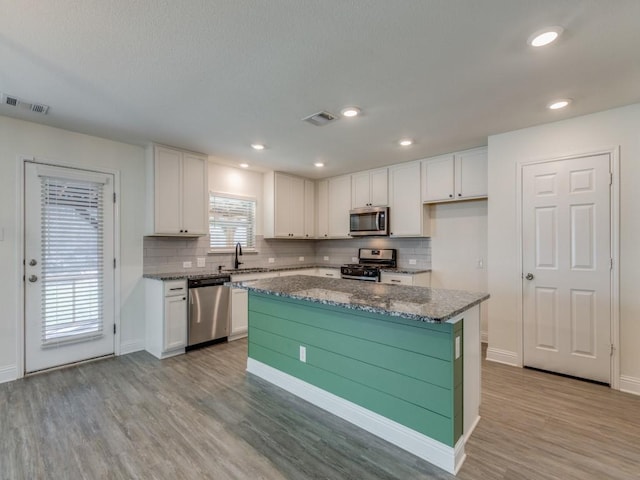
(166, 317)
(239, 313)
(328, 272)
(422, 279)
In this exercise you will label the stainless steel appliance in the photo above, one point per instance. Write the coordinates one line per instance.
(369, 263)
(369, 221)
(209, 312)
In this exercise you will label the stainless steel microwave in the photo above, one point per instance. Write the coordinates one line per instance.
(369, 221)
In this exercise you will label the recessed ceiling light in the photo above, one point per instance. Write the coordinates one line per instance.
(350, 112)
(244, 165)
(405, 142)
(257, 146)
(545, 36)
(557, 104)
(319, 164)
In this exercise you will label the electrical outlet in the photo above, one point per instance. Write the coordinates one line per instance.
(301, 259)
(412, 261)
(272, 260)
(201, 262)
(354, 259)
(457, 348)
(326, 258)
(303, 354)
(186, 264)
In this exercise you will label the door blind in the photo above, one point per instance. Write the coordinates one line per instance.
(72, 260)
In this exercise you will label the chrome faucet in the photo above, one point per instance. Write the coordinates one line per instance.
(236, 262)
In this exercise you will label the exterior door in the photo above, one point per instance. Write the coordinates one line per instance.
(567, 266)
(69, 266)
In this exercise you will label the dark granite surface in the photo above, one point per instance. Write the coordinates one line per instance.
(416, 303)
(281, 268)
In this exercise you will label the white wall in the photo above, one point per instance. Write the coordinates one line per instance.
(612, 128)
(45, 143)
(458, 243)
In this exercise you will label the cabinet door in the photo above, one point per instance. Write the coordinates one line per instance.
(471, 174)
(328, 272)
(396, 279)
(194, 193)
(438, 179)
(339, 202)
(309, 209)
(239, 312)
(168, 191)
(379, 188)
(322, 209)
(360, 190)
(406, 212)
(175, 322)
(282, 205)
(296, 207)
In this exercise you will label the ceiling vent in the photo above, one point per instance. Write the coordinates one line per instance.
(320, 119)
(16, 102)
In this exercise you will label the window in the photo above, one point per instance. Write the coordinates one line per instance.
(231, 220)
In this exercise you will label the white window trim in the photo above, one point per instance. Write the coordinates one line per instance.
(227, 251)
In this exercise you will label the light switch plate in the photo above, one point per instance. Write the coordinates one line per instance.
(301, 259)
(187, 264)
(354, 259)
(412, 261)
(272, 260)
(326, 258)
(201, 262)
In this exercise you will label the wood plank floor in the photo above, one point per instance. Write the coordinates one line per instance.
(200, 416)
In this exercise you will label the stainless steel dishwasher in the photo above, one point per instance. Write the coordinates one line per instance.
(209, 312)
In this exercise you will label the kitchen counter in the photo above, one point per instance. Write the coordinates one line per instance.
(415, 303)
(279, 268)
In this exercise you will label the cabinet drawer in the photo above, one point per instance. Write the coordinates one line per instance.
(328, 272)
(175, 287)
(396, 279)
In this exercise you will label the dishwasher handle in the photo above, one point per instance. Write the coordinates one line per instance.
(208, 282)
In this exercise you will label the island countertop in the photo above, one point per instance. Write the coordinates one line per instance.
(417, 303)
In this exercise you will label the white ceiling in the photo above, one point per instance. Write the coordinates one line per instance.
(215, 76)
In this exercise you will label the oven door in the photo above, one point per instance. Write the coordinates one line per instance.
(368, 221)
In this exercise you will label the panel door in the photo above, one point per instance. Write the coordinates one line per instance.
(322, 208)
(283, 198)
(69, 266)
(168, 190)
(471, 174)
(296, 207)
(339, 202)
(360, 190)
(175, 322)
(438, 181)
(309, 209)
(380, 188)
(566, 266)
(194, 194)
(405, 207)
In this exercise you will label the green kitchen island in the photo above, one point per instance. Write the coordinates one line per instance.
(401, 362)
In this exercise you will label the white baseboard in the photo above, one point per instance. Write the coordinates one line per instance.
(502, 356)
(484, 337)
(443, 456)
(8, 373)
(630, 384)
(238, 334)
(131, 346)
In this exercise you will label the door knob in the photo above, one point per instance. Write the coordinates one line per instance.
(33, 278)
(33, 262)
(529, 276)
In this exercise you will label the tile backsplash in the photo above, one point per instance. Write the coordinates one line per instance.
(166, 254)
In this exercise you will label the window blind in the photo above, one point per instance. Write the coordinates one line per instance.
(72, 260)
(231, 220)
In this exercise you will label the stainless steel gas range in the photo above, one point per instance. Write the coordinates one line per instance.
(370, 261)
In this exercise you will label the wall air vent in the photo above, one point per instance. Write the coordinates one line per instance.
(16, 102)
(320, 119)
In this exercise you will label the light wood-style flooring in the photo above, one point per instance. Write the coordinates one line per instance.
(201, 416)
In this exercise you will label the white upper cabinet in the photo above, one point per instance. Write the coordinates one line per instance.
(177, 194)
(457, 176)
(408, 217)
(284, 206)
(309, 209)
(322, 209)
(369, 189)
(339, 206)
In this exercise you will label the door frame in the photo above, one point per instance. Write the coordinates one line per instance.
(20, 253)
(614, 205)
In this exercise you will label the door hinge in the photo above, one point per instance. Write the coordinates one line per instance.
(610, 178)
(114, 328)
(114, 263)
(611, 264)
(612, 349)
(114, 198)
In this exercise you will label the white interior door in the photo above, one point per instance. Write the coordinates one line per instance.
(567, 266)
(69, 266)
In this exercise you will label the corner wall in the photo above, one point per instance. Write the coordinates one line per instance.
(20, 138)
(604, 130)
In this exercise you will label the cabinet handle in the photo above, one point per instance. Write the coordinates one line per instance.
(176, 288)
(184, 298)
(181, 231)
(459, 194)
(395, 281)
(451, 195)
(186, 231)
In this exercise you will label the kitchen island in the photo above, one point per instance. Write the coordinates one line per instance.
(402, 362)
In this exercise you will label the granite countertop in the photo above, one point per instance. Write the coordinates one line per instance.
(416, 303)
(230, 271)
